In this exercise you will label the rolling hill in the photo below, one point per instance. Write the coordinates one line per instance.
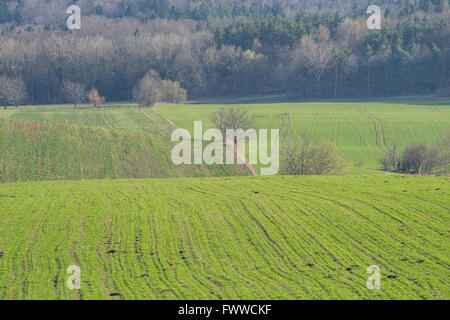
(360, 129)
(32, 150)
(226, 238)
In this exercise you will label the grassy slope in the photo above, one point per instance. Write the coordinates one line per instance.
(45, 151)
(254, 237)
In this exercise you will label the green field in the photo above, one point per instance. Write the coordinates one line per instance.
(209, 234)
(360, 129)
(33, 151)
(226, 238)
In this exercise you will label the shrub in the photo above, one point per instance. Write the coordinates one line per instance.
(419, 159)
(301, 157)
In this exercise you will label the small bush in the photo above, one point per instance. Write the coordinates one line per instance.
(419, 159)
(301, 157)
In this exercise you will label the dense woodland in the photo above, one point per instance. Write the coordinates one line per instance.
(305, 49)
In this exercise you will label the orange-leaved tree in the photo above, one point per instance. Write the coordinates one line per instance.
(95, 98)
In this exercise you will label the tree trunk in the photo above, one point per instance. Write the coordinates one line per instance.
(443, 76)
(335, 82)
(318, 86)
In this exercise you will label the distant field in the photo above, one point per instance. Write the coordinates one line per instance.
(360, 129)
(226, 238)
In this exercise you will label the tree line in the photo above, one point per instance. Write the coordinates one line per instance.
(311, 55)
(52, 11)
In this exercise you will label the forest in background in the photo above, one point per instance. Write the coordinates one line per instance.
(305, 49)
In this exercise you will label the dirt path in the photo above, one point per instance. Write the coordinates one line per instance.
(245, 160)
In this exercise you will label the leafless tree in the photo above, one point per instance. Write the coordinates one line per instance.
(74, 92)
(302, 157)
(297, 154)
(391, 159)
(4, 91)
(12, 91)
(149, 90)
(232, 118)
(317, 55)
(350, 33)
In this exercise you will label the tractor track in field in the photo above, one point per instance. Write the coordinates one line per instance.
(383, 135)
(192, 256)
(380, 137)
(108, 236)
(286, 123)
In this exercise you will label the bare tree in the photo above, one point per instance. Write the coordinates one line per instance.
(4, 91)
(149, 90)
(12, 91)
(296, 155)
(391, 159)
(317, 55)
(350, 33)
(233, 118)
(302, 157)
(74, 92)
